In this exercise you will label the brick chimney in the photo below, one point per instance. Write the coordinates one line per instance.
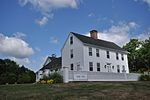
(93, 34)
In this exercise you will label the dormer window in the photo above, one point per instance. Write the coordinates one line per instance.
(71, 40)
(90, 51)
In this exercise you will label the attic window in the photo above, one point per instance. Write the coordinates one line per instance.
(71, 40)
(71, 53)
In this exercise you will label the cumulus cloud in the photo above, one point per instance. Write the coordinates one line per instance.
(47, 6)
(14, 47)
(119, 34)
(24, 61)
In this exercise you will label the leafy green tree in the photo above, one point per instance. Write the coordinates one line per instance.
(10, 72)
(145, 53)
(133, 48)
(139, 55)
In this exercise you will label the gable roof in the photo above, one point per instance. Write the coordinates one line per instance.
(98, 42)
(53, 65)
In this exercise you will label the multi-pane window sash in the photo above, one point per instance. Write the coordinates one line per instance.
(97, 52)
(71, 40)
(107, 52)
(90, 51)
(90, 66)
(98, 66)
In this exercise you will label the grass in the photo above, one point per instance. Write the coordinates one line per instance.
(77, 91)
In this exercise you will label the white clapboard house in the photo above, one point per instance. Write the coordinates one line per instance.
(91, 59)
(52, 64)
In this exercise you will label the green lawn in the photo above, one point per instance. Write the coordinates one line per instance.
(77, 91)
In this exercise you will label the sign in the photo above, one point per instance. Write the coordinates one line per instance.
(80, 77)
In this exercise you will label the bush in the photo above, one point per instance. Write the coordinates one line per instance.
(9, 78)
(56, 77)
(43, 82)
(50, 81)
(52, 78)
(144, 78)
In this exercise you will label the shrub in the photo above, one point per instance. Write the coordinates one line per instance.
(144, 78)
(52, 78)
(56, 77)
(43, 82)
(50, 81)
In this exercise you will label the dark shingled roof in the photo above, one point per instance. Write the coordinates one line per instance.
(97, 42)
(55, 64)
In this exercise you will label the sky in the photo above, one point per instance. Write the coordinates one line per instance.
(32, 30)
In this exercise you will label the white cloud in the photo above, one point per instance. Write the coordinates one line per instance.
(119, 34)
(19, 35)
(147, 1)
(47, 6)
(54, 40)
(42, 21)
(91, 15)
(14, 47)
(24, 61)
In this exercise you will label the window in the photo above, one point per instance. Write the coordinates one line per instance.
(117, 56)
(122, 57)
(107, 54)
(97, 52)
(90, 51)
(71, 67)
(112, 67)
(71, 40)
(90, 66)
(71, 53)
(123, 69)
(118, 68)
(98, 66)
(105, 66)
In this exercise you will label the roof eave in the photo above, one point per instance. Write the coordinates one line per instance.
(123, 51)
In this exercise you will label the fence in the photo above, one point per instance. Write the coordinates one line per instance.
(101, 76)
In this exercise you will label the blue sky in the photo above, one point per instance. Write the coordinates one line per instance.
(31, 30)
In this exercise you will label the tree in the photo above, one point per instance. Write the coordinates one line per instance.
(139, 55)
(10, 72)
(145, 53)
(133, 48)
